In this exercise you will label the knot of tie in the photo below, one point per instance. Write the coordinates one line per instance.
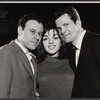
(30, 55)
(74, 48)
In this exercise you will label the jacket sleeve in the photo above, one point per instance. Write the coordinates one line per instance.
(5, 74)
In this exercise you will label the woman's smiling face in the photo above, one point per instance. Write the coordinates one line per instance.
(51, 42)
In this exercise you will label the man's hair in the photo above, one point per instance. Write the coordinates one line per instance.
(41, 53)
(31, 16)
(72, 12)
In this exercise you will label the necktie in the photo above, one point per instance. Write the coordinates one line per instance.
(72, 59)
(33, 60)
(29, 55)
(33, 66)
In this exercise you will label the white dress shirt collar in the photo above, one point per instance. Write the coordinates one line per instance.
(25, 50)
(79, 42)
(21, 46)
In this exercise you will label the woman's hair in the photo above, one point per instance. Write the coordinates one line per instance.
(40, 51)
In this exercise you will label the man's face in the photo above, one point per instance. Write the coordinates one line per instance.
(31, 35)
(67, 28)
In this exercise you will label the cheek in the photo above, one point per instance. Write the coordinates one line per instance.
(75, 28)
(45, 44)
(58, 43)
(74, 31)
(39, 40)
(26, 36)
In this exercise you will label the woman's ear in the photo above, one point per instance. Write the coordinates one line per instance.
(20, 30)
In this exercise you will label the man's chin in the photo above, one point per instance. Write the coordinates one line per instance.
(67, 41)
(32, 48)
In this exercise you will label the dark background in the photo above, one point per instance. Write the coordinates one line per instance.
(89, 13)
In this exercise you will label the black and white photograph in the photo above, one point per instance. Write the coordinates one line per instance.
(49, 50)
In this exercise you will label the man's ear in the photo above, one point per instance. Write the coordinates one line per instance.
(20, 30)
(78, 24)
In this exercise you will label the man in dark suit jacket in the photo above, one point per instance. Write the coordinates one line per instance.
(17, 72)
(87, 59)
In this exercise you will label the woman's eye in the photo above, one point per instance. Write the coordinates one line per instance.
(55, 37)
(44, 39)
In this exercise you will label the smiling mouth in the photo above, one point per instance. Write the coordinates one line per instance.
(51, 46)
(65, 36)
(34, 42)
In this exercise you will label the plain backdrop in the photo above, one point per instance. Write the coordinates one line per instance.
(89, 13)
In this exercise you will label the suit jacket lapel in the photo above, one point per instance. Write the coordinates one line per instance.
(35, 72)
(22, 57)
(83, 48)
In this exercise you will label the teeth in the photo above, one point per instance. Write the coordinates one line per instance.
(51, 47)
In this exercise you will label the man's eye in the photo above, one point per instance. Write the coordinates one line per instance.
(40, 33)
(66, 24)
(33, 31)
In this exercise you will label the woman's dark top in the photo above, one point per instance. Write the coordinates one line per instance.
(54, 78)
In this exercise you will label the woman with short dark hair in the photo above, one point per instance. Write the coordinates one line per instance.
(54, 75)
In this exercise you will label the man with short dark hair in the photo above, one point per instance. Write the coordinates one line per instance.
(87, 59)
(17, 71)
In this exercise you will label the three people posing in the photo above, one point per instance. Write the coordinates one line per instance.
(18, 73)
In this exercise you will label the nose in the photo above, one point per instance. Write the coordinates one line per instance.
(51, 41)
(37, 36)
(63, 31)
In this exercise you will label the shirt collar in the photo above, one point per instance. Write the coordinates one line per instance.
(26, 51)
(79, 42)
(21, 46)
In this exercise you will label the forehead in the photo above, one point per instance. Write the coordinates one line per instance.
(51, 32)
(33, 23)
(63, 18)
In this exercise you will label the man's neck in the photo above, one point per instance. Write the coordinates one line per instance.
(77, 38)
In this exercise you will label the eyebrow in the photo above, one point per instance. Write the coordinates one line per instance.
(45, 36)
(49, 35)
(31, 29)
(55, 34)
